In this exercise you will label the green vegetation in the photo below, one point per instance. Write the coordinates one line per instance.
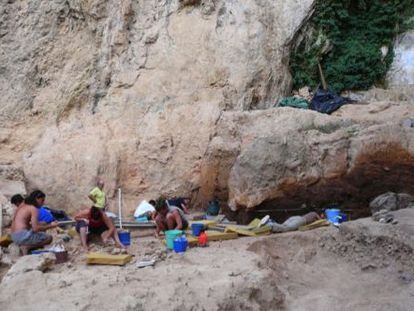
(346, 37)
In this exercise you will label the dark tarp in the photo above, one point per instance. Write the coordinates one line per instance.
(326, 101)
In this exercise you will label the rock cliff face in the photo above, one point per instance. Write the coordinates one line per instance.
(170, 97)
(131, 90)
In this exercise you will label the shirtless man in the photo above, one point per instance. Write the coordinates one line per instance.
(26, 231)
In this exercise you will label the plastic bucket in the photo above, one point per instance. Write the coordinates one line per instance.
(197, 228)
(170, 236)
(125, 237)
(180, 245)
(333, 215)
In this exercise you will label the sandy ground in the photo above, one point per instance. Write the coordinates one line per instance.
(364, 265)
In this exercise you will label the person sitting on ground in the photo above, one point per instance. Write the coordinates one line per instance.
(145, 211)
(168, 218)
(95, 221)
(181, 203)
(98, 196)
(45, 216)
(293, 223)
(26, 231)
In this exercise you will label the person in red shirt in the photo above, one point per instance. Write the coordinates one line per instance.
(95, 221)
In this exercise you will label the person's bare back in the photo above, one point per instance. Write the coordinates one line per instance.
(23, 217)
(27, 232)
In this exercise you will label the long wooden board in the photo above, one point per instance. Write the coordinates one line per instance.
(213, 236)
(314, 225)
(107, 259)
(249, 231)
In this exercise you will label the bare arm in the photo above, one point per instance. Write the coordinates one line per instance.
(92, 198)
(36, 226)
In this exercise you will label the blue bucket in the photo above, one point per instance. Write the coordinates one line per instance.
(170, 236)
(333, 215)
(125, 237)
(180, 245)
(197, 228)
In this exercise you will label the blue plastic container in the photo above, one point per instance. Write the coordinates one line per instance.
(141, 219)
(125, 237)
(197, 228)
(333, 215)
(39, 251)
(180, 244)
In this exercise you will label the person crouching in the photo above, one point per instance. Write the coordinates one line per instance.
(168, 218)
(95, 221)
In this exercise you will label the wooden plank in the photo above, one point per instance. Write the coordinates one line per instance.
(107, 259)
(213, 236)
(249, 232)
(216, 228)
(314, 225)
(136, 225)
(204, 222)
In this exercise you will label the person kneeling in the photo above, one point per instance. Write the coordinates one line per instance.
(95, 221)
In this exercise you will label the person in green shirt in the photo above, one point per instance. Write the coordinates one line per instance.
(98, 196)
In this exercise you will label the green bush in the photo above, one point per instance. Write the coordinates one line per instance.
(346, 38)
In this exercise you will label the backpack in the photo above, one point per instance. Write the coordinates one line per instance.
(213, 208)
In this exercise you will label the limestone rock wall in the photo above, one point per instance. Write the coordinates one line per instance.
(168, 97)
(131, 90)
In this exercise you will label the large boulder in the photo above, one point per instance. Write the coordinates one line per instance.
(30, 263)
(284, 157)
(391, 201)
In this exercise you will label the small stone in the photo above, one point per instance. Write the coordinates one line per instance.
(116, 251)
(369, 266)
(29, 263)
(6, 260)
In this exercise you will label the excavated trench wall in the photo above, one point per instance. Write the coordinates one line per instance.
(388, 169)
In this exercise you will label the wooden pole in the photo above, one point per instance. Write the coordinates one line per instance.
(324, 85)
(120, 208)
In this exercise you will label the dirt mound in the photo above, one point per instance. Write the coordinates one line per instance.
(220, 277)
(364, 265)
